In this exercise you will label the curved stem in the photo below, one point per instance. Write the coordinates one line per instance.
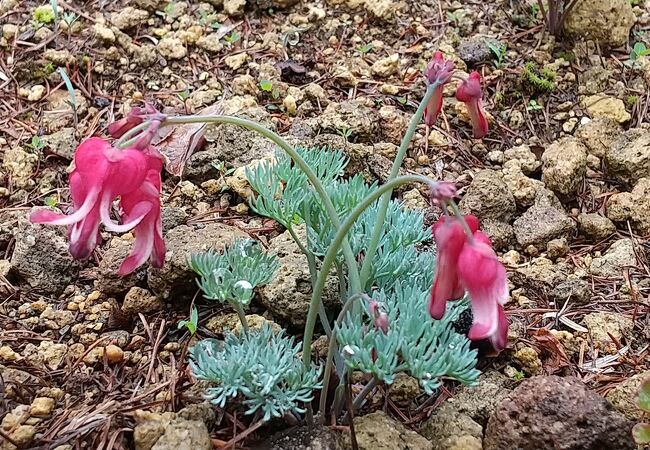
(330, 256)
(242, 316)
(131, 135)
(353, 270)
(383, 206)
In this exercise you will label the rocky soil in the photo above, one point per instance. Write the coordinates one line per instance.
(561, 184)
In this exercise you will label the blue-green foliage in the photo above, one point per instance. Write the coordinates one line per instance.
(261, 367)
(232, 275)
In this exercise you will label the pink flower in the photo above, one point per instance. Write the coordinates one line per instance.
(470, 265)
(438, 71)
(442, 192)
(485, 279)
(470, 93)
(450, 238)
(380, 317)
(101, 174)
(149, 242)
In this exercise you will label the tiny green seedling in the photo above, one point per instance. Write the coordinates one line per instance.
(518, 376)
(50, 201)
(69, 18)
(344, 132)
(639, 51)
(221, 167)
(183, 95)
(365, 48)
(499, 51)
(266, 85)
(533, 106)
(36, 143)
(232, 38)
(192, 323)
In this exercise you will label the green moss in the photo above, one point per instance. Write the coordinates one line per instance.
(538, 81)
(44, 14)
(631, 100)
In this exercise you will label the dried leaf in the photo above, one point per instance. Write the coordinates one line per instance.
(178, 145)
(551, 351)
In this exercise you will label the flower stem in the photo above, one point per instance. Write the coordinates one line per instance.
(132, 135)
(459, 216)
(297, 159)
(383, 206)
(242, 316)
(330, 256)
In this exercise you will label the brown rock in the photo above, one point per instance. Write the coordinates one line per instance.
(549, 413)
(139, 300)
(488, 197)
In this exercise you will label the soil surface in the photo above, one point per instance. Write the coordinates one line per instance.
(561, 184)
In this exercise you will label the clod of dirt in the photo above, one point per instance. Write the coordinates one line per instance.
(547, 413)
(542, 223)
(41, 407)
(523, 188)
(564, 165)
(168, 432)
(108, 281)
(41, 257)
(139, 300)
(288, 294)
(600, 105)
(527, 159)
(386, 67)
(354, 116)
(60, 113)
(488, 197)
(129, 17)
(304, 438)
(500, 233)
(623, 396)
(458, 423)
(172, 48)
(404, 390)
(48, 355)
(377, 431)
(633, 206)
(541, 275)
(598, 134)
(606, 21)
(595, 227)
(475, 50)
(576, 291)
(628, 159)
(62, 143)
(182, 242)
(20, 165)
(602, 324)
(529, 360)
(619, 256)
(557, 248)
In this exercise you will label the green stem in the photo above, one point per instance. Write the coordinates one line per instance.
(383, 206)
(330, 256)
(131, 135)
(242, 316)
(331, 349)
(353, 270)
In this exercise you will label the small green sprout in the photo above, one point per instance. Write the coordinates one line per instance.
(50, 201)
(344, 132)
(639, 51)
(183, 95)
(36, 143)
(533, 106)
(365, 48)
(232, 38)
(70, 18)
(632, 100)
(192, 323)
(499, 51)
(266, 85)
(641, 431)
(518, 376)
(538, 81)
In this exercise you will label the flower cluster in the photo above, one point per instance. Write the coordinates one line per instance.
(103, 173)
(467, 263)
(439, 72)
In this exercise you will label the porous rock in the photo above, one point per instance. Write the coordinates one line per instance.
(377, 431)
(596, 227)
(182, 242)
(547, 413)
(627, 160)
(623, 396)
(606, 21)
(488, 197)
(619, 255)
(633, 206)
(564, 165)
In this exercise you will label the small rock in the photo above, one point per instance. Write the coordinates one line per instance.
(557, 248)
(404, 390)
(211, 43)
(172, 48)
(628, 159)
(501, 234)
(523, 188)
(290, 105)
(288, 294)
(527, 159)
(48, 355)
(181, 242)
(619, 256)
(386, 67)
(547, 413)
(114, 354)
(598, 134)
(234, 8)
(608, 107)
(564, 165)
(634, 206)
(541, 224)
(23, 436)
(42, 407)
(601, 325)
(578, 291)
(21, 166)
(62, 143)
(103, 32)
(352, 115)
(529, 360)
(304, 438)
(596, 227)
(377, 431)
(128, 17)
(606, 21)
(108, 280)
(236, 61)
(475, 50)
(59, 57)
(623, 396)
(139, 300)
(488, 197)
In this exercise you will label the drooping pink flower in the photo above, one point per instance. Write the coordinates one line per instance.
(149, 243)
(450, 238)
(442, 192)
(380, 316)
(485, 279)
(470, 93)
(470, 265)
(101, 174)
(135, 117)
(438, 71)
